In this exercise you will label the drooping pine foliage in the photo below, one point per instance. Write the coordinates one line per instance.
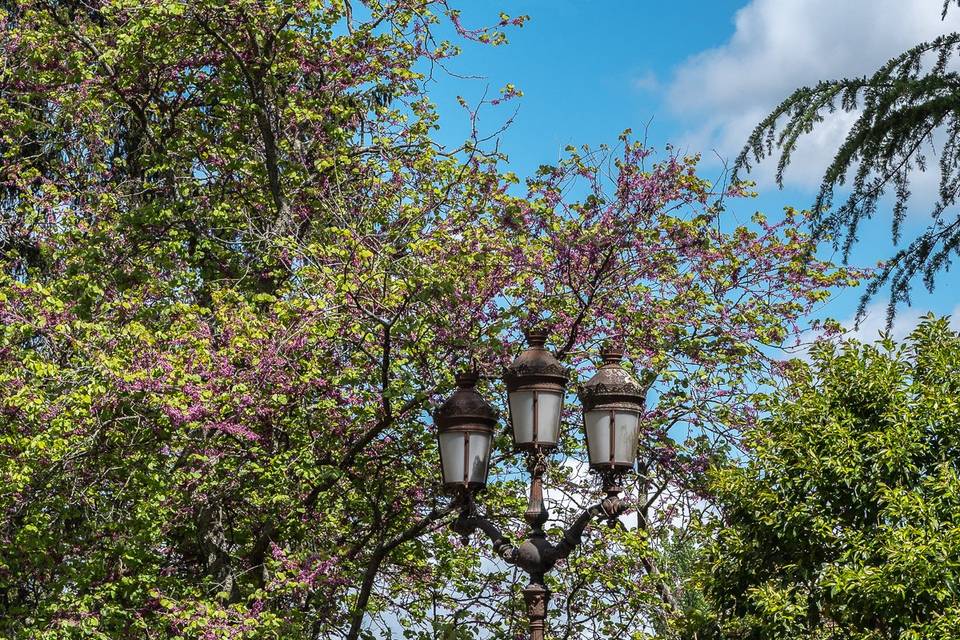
(900, 108)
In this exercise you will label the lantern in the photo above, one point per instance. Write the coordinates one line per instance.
(536, 383)
(612, 401)
(465, 431)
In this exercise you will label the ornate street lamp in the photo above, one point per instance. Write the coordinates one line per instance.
(536, 385)
(465, 431)
(612, 401)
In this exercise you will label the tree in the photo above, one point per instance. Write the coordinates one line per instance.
(900, 108)
(844, 521)
(238, 272)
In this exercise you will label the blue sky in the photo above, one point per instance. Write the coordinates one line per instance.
(701, 73)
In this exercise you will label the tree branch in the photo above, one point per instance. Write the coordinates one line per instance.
(376, 560)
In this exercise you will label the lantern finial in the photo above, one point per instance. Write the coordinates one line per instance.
(536, 336)
(611, 352)
(467, 378)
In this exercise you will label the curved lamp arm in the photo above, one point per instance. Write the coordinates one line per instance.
(610, 508)
(467, 522)
(537, 556)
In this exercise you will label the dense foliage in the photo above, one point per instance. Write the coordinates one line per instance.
(905, 110)
(237, 271)
(845, 523)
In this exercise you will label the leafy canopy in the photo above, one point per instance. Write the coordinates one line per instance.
(844, 522)
(236, 273)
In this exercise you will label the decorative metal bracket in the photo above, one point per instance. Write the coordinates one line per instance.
(536, 555)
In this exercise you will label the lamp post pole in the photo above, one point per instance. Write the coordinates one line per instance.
(536, 384)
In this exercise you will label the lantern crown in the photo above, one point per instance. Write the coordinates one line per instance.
(466, 405)
(612, 384)
(536, 365)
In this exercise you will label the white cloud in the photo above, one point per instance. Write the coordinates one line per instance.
(874, 322)
(645, 81)
(780, 45)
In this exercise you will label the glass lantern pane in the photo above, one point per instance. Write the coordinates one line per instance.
(548, 423)
(597, 424)
(626, 424)
(521, 415)
(479, 457)
(451, 456)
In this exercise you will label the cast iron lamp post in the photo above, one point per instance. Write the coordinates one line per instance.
(536, 385)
